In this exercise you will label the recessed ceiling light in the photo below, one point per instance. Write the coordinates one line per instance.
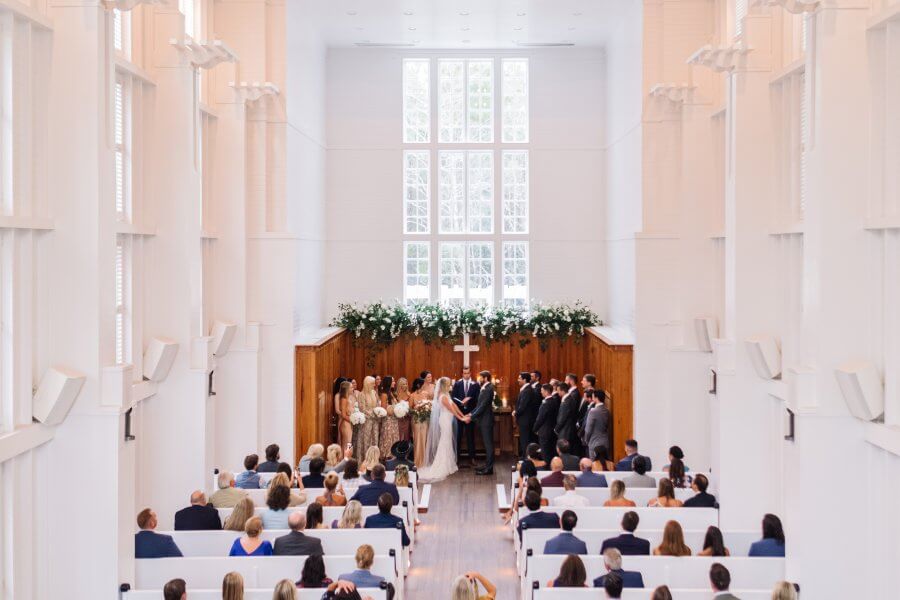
(464, 28)
(360, 28)
(411, 28)
(466, 41)
(520, 14)
(517, 28)
(351, 13)
(408, 13)
(464, 13)
(576, 14)
(571, 29)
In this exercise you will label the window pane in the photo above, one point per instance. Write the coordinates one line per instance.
(452, 269)
(515, 273)
(117, 29)
(481, 273)
(481, 192)
(187, 8)
(804, 143)
(451, 101)
(416, 190)
(416, 101)
(418, 272)
(740, 11)
(452, 192)
(515, 100)
(515, 191)
(120, 282)
(481, 101)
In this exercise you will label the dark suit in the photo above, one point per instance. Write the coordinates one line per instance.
(483, 415)
(590, 479)
(554, 479)
(596, 428)
(313, 481)
(538, 520)
(197, 518)
(149, 544)
(627, 544)
(565, 420)
(368, 494)
(297, 543)
(526, 414)
(630, 579)
(766, 547)
(625, 463)
(388, 521)
(583, 408)
(544, 425)
(460, 393)
(702, 500)
(269, 466)
(570, 462)
(392, 464)
(565, 543)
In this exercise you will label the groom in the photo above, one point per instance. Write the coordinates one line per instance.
(483, 418)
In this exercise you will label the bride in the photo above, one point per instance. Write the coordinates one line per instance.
(440, 454)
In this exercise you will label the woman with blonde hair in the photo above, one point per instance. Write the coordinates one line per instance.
(332, 497)
(370, 431)
(666, 495)
(401, 476)
(465, 587)
(784, 590)
(314, 451)
(334, 459)
(233, 586)
(672, 542)
(372, 458)
(242, 511)
(298, 499)
(285, 590)
(351, 518)
(251, 544)
(617, 495)
(345, 404)
(403, 395)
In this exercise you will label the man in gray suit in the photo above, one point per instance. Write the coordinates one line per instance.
(596, 428)
(297, 543)
(639, 479)
(483, 415)
(720, 580)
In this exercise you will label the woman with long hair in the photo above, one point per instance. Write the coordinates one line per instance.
(571, 574)
(350, 479)
(401, 476)
(465, 587)
(242, 511)
(233, 586)
(351, 518)
(251, 544)
(713, 543)
(284, 590)
(298, 499)
(313, 574)
(370, 431)
(672, 542)
(665, 495)
(346, 404)
(419, 428)
(677, 475)
(390, 427)
(772, 543)
(332, 497)
(278, 500)
(335, 459)
(601, 460)
(441, 456)
(335, 389)
(403, 395)
(784, 590)
(662, 593)
(372, 458)
(315, 517)
(617, 494)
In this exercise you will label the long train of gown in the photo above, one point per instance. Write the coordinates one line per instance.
(444, 462)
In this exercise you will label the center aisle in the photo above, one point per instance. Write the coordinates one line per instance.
(462, 531)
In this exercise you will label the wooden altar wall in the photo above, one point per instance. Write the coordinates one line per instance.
(316, 367)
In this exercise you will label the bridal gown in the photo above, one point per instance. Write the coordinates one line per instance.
(444, 463)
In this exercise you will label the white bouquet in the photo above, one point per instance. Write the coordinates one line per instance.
(401, 409)
(357, 418)
(380, 412)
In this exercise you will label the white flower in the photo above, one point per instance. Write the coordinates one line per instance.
(382, 327)
(379, 412)
(357, 418)
(401, 409)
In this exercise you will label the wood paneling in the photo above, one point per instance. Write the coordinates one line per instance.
(344, 355)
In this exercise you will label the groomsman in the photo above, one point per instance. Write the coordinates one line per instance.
(568, 412)
(536, 383)
(588, 382)
(466, 391)
(596, 429)
(483, 415)
(526, 411)
(546, 421)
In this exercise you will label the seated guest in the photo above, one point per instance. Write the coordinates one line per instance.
(639, 479)
(313, 574)
(401, 451)
(314, 451)
(677, 475)
(631, 452)
(371, 459)
(537, 519)
(278, 500)
(665, 495)
(385, 520)
(783, 590)
(612, 584)
(350, 479)
(335, 459)
(251, 545)
(533, 457)
(273, 455)
(571, 574)
(332, 497)
(555, 478)
(672, 541)
(675, 453)
(148, 543)
(291, 479)
(612, 559)
(175, 590)
(465, 587)
(227, 496)
(601, 460)
(315, 517)
(566, 542)
(617, 495)
(569, 461)
(702, 499)
(249, 478)
(285, 590)
(199, 516)
(662, 593)
(713, 544)
(570, 497)
(772, 543)
(362, 576)
(626, 542)
(720, 581)
(233, 586)
(401, 476)
(315, 479)
(342, 590)
(351, 518)
(281, 479)
(239, 515)
(588, 478)
(368, 494)
(297, 543)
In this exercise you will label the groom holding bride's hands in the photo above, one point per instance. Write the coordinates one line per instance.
(466, 391)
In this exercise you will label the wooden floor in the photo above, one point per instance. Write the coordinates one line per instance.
(463, 531)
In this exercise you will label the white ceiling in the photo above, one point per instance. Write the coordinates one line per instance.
(465, 23)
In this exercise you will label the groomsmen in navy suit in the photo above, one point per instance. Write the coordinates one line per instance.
(466, 391)
(546, 421)
(566, 542)
(148, 543)
(525, 414)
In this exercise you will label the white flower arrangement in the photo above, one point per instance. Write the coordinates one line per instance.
(357, 418)
(379, 412)
(401, 409)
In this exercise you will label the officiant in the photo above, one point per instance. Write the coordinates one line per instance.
(465, 394)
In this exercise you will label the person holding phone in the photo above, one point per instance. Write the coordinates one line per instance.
(465, 587)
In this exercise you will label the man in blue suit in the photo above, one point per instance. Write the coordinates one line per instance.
(368, 494)
(537, 519)
(566, 542)
(612, 558)
(363, 576)
(702, 499)
(148, 543)
(588, 478)
(631, 451)
(385, 520)
(466, 391)
(249, 478)
(626, 542)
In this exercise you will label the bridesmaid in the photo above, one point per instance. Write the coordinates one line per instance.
(403, 396)
(368, 431)
(427, 385)
(390, 428)
(346, 405)
(335, 391)
(419, 429)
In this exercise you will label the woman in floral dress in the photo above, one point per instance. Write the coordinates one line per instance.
(403, 395)
(369, 432)
(390, 428)
(419, 428)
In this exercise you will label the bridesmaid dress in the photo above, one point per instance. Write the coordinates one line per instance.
(390, 430)
(405, 423)
(419, 434)
(369, 432)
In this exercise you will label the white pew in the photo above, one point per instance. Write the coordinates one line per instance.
(597, 496)
(265, 477)
(611, 476)
(642, 594)
(249, 594)
(598, 517)
(259, 496)
(330, 513)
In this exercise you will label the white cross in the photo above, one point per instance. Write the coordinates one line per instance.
(466, 348)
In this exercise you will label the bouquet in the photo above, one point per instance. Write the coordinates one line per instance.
(357, 418)
(422, 414)
(379, 412)
(401, 409)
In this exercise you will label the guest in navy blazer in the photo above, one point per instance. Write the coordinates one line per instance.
(702, 499)
(772, 543)
(588, 478)
(315, 479)
(626, 542)
(566, 542)
(537, 519)
(198, 516)
(148, 543)
(631, 451)
(368, 494)
(385, 520)
(612, 558)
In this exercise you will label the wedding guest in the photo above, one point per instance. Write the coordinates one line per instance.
(555, 478)
(466, 391)
(278, 500)
(385, 520)
(672, 541)
(242, 511)
(332, 497)
(401, 451)
(427, 385)
(545, 423)
(419, 427)
(596, 425)
(534, 456)
(571, 574)
(569, 461)
(350, 479)
(784, 590)
(529, 484)
(661, 593)
(567, 415)
(313, 574)
(251, 544)
(612, 559)
(713, 543)
(639, 479)
(175, 589)
(465, 587)
(533, 484)
(401, 476)
(273, 455)
(631, 452)
(612, 585)
(601, 461)
(570, 497)
(675, 452)
(405, 423)
(702, 499)
(227, 496)
(617, 495)
(362, 576)
(626, 542)
(566, 542)
(315, 517)
(297, 543)
(290, 477)
(285, 590)
(249, 478)
(582, 406)
(199, 516)
(665, 495)
(314, 451)
(720, 580)
(345, 404)
(677, 475)
(772, 543)
(233, 586)
(390, 427)
(525, 411)
(372, 458)
(148, 543)
(336, 459)
(370, 431)
(315, 479)
(537, 519)
(280, 479)
(588, 478)
(368, 494)
(351, 518)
